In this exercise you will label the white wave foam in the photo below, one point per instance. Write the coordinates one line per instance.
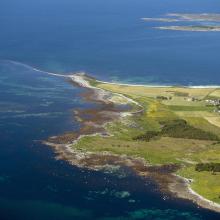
(33, 68)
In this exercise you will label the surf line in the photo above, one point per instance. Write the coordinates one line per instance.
(38, 70)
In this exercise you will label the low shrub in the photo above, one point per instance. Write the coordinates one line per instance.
(147, 136)
(178, 129)
(212, 167)
(181, 129)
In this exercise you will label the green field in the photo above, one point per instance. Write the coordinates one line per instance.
(176, 126)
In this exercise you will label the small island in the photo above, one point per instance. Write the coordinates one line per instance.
(170, 133)
(180, 17)
(200, 28)
(189, 22)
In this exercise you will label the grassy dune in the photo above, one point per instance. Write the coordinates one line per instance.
(162, 106)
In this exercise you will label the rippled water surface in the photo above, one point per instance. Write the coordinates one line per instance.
(108, 39)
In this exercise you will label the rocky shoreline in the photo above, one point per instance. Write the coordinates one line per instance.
(107, 111)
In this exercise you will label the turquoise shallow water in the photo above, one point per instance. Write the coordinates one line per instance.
(108, 40)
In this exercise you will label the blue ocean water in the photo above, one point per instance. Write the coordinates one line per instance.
(108, 40)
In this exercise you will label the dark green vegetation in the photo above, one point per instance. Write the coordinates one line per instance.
(212, 167)
(147, 136)
(178, 128)
(163, 98)
(181, 129)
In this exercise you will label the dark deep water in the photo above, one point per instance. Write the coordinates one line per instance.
(107, 39)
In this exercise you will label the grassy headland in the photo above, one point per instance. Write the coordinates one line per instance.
(177, 125)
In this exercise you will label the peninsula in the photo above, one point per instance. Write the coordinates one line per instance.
(169, 133)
